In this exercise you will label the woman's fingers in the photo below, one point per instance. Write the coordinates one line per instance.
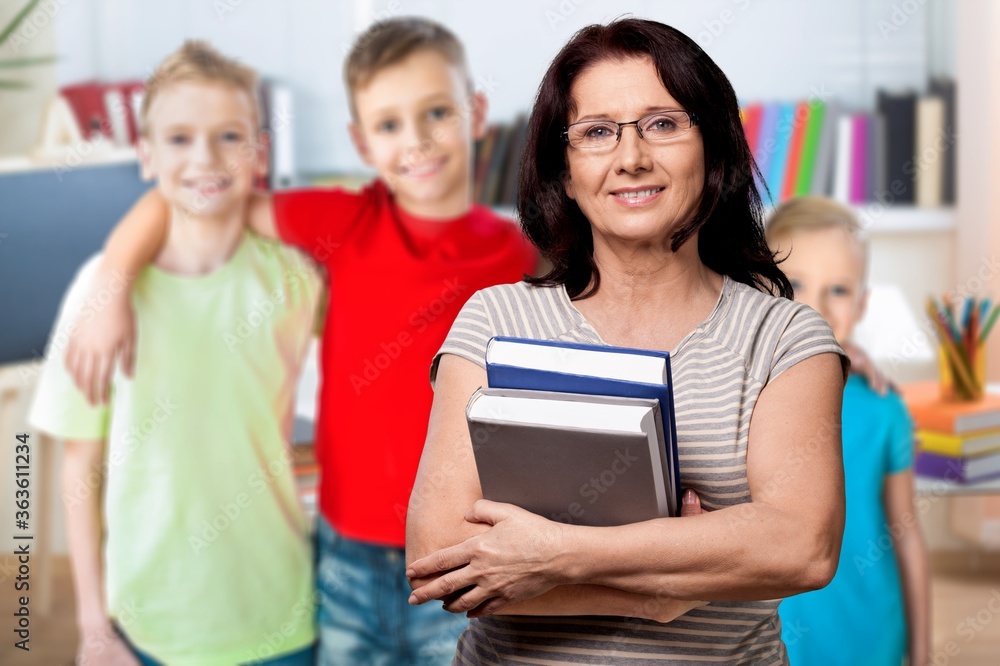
(472, 598)
(445, 586)
(445, 559)
(485, 511)
(690, 504)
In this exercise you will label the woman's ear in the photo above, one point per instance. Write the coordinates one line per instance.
(567, 183)
(144, 152)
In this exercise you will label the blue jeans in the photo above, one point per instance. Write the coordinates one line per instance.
(364, 616)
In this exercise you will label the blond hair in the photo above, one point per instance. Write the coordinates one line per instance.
(815, 213)
(810, 214)
(196, 60)
(387, 43)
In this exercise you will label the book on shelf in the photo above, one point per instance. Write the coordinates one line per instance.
(960, 470)
(930, 412)
(945, 89)
(566, 367)
(572, 458)
(971, 444)
(899, 111)
(929, 164)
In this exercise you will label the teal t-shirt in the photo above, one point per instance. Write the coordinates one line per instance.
(860, 617)
(207, 554)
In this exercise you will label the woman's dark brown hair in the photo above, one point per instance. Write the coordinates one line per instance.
(729, 218)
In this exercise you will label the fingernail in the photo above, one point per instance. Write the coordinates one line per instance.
(409, 573)
(688, 497)
(412, 600)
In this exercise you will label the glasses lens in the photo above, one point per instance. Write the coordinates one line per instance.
(593, 134)
(665, 125)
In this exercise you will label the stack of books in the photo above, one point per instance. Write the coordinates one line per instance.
(957, 441)
(579, 434)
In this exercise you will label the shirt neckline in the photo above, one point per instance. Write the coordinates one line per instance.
(217, 276)
(705, 325)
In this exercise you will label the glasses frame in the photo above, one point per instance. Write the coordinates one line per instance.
(692, 119)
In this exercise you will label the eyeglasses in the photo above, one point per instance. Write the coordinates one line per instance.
(604, 134)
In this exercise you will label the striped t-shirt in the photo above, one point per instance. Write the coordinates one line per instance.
(718, 371)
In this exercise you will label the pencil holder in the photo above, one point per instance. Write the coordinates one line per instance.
(961, 385)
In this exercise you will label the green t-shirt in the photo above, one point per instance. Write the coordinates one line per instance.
(207, 554)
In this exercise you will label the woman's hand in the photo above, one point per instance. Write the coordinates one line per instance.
(516, 559)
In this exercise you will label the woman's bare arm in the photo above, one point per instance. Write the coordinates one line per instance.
(784, 542)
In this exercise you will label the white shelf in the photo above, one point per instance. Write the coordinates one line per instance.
(877, 219)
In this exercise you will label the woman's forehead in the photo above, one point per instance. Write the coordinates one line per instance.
(614, 86)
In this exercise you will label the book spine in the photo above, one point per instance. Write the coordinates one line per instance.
(810, 148)
(800, 121)
(940, 467)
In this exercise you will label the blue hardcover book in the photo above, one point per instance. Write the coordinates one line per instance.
(782, 142)
(566, 367)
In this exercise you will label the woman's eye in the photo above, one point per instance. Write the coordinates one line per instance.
(232, 136)
(387, 126)
(598, 131)
(177, 139)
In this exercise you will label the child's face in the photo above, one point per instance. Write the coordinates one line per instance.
(202, 147)
(826, 268)
(416, 121)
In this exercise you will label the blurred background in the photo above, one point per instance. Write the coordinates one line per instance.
(67, 171)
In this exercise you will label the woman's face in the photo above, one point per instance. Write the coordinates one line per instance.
(636, 191)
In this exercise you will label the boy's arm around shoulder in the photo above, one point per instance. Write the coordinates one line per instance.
(101, 336)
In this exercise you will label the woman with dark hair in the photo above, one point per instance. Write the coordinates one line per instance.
(637, 185)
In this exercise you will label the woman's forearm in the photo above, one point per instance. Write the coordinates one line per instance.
(748, 552)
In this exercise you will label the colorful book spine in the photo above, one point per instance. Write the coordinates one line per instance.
(810, 148)
(751, 125)
(801, 122)
(766, 144)
(779, 161)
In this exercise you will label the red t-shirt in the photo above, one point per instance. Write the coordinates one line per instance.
(396, 285)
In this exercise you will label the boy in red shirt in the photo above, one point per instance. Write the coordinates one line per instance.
(401, 256)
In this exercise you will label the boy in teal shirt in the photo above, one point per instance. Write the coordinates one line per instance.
(206, 558)
(876, 608)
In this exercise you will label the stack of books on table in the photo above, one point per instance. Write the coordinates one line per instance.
(576, 433)
(957, 441)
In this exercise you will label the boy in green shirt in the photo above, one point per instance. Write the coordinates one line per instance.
(206, 557)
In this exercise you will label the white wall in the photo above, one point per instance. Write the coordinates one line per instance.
(771, 49)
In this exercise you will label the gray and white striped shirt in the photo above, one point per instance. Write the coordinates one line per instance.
(718, 371)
